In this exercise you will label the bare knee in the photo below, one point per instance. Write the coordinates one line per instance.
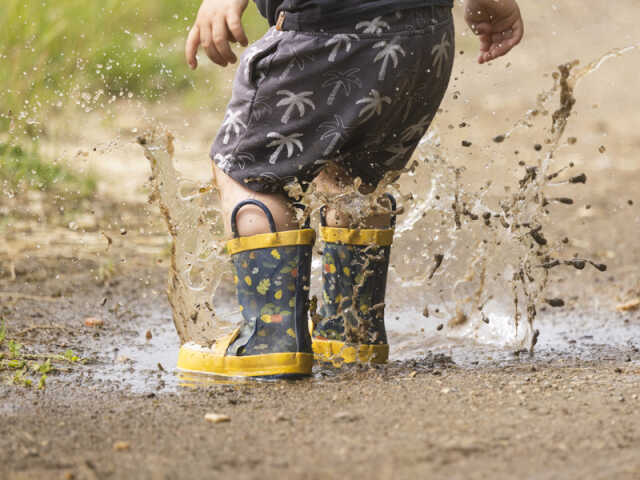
(251, 220)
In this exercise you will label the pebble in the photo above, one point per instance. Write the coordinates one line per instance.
(217, 418)
(630, 306)
(148, 335)
(121, 446)
(345, 417)
(93, 322)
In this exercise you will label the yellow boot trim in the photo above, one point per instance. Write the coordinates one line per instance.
(337, 352)
(347, 236)
(286, 238)
(192, 358)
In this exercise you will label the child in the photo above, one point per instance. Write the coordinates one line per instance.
(335, 90)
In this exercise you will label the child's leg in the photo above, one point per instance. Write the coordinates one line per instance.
(251, 220)
(333, 179)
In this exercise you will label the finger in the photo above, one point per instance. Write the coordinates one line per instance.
(481, 28)
(221, 39)
(235, 27)
(485, 43)
(500, 36)
(191, 47)
(503, 47)
(518, 31)
(215, 56)
(206, 37)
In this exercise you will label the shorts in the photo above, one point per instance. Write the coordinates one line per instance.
(360, 96)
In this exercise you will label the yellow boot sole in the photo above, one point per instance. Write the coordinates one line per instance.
(195, 359)
(337, 353)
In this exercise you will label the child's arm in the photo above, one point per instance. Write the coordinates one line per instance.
(218, 23)
(498, 25)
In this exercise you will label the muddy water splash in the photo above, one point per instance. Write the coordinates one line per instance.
(197, 263)
(465, 263)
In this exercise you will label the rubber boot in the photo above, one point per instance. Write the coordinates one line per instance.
(272, 273)
(350, 325)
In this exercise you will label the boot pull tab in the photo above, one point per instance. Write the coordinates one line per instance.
(257, 203)
(392, 201)
(307, 222)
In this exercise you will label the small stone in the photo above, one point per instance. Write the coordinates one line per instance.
(445, 390)
(217, 418)
(93, 322)
(466, 143)
(123, 231)
(602, 149)
(537, 147)
(121, 446)
(148, 335)
(346, 417)
(630, 306)
(280, 417)
(413, 374)
(440, 327)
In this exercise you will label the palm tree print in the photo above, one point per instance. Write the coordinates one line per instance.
(417, 130)
(389, 50)
(399, 152)
(376, 26)
(223, 161)
(341, 80)
(441, 54)
(334, 131)
(290, 142)
(340, 40)
(244, 158)
(372, 105)
(297, 60)
(292, 101)
(261, 107)
(232, 125)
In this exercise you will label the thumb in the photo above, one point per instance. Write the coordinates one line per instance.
(481, 28)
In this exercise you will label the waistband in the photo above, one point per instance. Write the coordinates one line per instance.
(317, 20)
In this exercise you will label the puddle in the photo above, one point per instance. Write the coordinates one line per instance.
(585, 336)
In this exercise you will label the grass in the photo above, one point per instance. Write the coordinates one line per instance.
(57, 53)
(20, 368)
(22, 170)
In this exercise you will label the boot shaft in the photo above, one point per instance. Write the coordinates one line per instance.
(272, 274)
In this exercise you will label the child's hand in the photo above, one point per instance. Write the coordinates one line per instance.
(218, 22)
(498, 25)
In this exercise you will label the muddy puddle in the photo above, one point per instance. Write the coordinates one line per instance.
(145, 366)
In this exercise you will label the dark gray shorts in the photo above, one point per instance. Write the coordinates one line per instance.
(361, 96)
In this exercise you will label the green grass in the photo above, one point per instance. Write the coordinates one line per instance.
(22, 170)
(20, 368)
(87, 53)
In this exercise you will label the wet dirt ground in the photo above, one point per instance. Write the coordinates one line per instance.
(454, 410)
(460, 410)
